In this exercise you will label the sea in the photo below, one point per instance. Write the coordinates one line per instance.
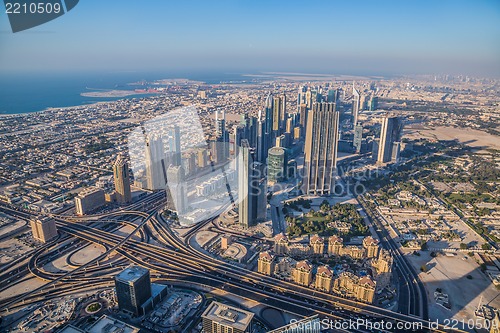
(24, 93)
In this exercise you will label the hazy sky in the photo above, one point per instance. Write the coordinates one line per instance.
(372, 37)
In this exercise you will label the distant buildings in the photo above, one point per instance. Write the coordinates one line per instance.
(218, 318)
(390, 133)
(358, 138)
(133, 289)
(43, 228)
(88, 200)
(356, 104)
(320, 152)
(122, 180)
(175, 146)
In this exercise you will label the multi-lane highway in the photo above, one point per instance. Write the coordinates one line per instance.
(172, 259)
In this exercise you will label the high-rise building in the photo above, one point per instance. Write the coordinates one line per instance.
(262, 140)
(276, 165)
(220, 125)
(356, 100)
(202, 157)
(396, 150)
(279, 114)
(307, 325)
(175, 146)
(176, 192)
(390, 133)
(358, 138)
(223, 318)
(122, 180)
(375, 148)
(133, 289)
(156, 166)
(88, 200)
(222, 137)
(43, 228)
(320, 151)
(373, 103)
(248, 186)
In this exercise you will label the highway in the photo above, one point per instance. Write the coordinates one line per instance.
(174, 259)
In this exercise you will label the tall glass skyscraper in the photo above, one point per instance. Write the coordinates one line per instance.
(133, 289)
(320, 151)
(389, 134)
(122, 180)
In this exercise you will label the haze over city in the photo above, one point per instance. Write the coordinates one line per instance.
(364, 38)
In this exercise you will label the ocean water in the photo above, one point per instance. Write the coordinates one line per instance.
(23, 93)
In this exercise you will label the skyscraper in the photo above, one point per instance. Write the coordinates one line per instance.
(356, 100)
(176, 192)
(276, 165)
(221, 136)
(248, 186)
(220, 125)
(390, 133)
(122, 180)
(133, 289)
(320, 151)
(261, 139)
(175, 146)
(358, 137)
(155, 164)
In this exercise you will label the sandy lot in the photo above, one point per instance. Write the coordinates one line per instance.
(450, 274)
(473, 138)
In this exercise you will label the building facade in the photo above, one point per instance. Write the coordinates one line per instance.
(133, 289)
(222, 318)
(320, 150)
(43, 228)
(122, 180)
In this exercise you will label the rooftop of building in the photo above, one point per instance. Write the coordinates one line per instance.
(228, 315)
(132, 273)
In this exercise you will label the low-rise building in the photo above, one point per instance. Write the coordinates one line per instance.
(324, 278)
(43, 228)
(89, 200)
(302, 273)
(317, 244)
(266, 263)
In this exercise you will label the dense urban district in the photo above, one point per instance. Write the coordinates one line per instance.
(243, 206)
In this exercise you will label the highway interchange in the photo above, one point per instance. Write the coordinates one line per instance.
(152, 244)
